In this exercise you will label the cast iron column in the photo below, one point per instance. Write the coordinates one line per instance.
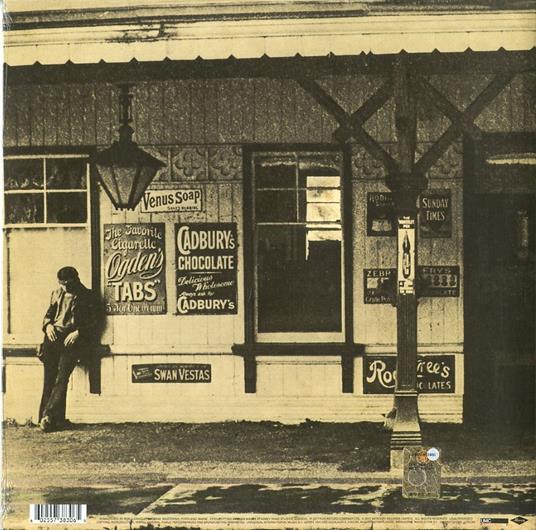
(406, 187)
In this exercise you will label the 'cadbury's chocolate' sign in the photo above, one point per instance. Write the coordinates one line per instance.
(206, 263)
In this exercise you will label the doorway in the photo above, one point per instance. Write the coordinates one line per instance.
(500, 279)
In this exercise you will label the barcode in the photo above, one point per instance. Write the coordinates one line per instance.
(58, 513)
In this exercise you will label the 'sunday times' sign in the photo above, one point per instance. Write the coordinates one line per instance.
(134, 269)
(436, 214)
(177, 200)
(171, 373)
(435, 374)
(206, 265)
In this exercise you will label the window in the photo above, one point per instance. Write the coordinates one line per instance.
(298, 246)
(46, 226)
(46, 191)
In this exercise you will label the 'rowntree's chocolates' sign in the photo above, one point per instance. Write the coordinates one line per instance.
(435, 374)
(171, 373)
(381, 219)
(134, 269)
(206, 266)
(435, 218)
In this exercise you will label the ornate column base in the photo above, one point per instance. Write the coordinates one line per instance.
(406, 427)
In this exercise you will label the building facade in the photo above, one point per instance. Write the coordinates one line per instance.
(257, 278)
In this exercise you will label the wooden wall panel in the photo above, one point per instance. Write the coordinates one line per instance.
(50, 109)
(238, 110)
(63, 116)
(103, 125)
(212, 111)
(186, 115)
(23, 105)
(198, 110)
(11, 98)
(37, 125)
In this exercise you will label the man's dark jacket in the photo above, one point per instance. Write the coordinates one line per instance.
(85, 320)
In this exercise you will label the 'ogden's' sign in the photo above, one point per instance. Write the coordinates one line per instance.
(134, 269)
(206, 268)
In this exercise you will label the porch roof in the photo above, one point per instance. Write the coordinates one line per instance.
(182, 31)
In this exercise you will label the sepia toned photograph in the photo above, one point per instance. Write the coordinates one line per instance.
(269, 264)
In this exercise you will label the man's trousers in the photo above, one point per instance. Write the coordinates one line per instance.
(59, 362)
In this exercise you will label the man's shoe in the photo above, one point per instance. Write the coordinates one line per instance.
(45, 424)
(64, 424)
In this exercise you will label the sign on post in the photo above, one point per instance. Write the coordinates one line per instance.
(406, 255)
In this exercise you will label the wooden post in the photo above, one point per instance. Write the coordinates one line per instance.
(406, 186)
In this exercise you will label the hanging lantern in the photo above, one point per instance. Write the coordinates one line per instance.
(124, 169)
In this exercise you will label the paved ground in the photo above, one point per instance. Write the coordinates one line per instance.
(144, 488)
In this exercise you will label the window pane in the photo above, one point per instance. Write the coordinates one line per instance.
(275, 171)
(276, 206)
(24, 208)
(320, 163)
(323, 181)
(66, 173)
(323, 212)
(298, 279)
(28, 296)
(325, 195)
(66, 207)
(23, 174)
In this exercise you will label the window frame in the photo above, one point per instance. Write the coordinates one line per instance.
(252, 335)
(92, 224)
(44, 191)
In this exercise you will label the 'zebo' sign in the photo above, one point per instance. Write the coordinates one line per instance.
(161, 201)
(435, 374)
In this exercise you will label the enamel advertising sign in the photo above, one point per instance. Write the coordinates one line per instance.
(381, 219)
(134, 269)
(206, 265)
(406, 255)
(171, 373)
(379, 286)
(436, 214)
(435, 374)
(178, 200)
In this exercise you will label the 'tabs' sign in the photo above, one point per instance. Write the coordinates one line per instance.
(134, 269)
(206, 265)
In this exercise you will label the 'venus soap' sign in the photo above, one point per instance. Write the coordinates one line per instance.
(181, 200)
(134, 269)
(435, 374)
(206, 263)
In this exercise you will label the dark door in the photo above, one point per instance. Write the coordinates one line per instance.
(500, 298)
